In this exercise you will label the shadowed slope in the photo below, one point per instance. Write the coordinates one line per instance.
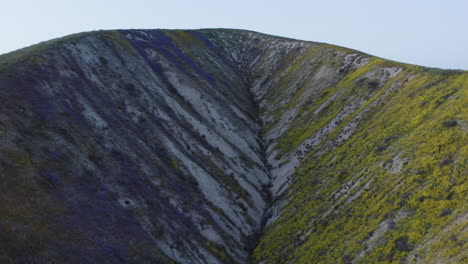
(122, 141)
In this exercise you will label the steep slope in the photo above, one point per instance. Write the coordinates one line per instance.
(157, 146)
(369, 159)
(115, 144)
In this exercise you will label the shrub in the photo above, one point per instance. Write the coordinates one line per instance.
(103, 60)
(314, 182)
(445, 162)
(406, 195)
(402, 244)
(390, 138)
(445, 212)
(450, 123)
(381, 148)
(373, 84)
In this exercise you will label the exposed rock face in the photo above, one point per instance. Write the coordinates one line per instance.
(143, 146)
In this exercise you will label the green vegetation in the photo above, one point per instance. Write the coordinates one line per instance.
(422, 123)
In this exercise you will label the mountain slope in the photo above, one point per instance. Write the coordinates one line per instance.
(189, 146)
(374, 164)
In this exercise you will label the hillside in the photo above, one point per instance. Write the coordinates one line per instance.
(228, 146)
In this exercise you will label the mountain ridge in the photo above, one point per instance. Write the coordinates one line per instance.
(87, 33)
(252, 112)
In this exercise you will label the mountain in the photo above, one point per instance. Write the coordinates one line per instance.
(228, 146)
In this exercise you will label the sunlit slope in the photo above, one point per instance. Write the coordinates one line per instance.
(371, 159)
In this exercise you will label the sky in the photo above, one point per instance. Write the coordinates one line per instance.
(424, 32)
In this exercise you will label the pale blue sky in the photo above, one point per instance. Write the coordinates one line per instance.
(425, 32)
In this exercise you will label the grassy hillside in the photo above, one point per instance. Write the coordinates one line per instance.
(387, 182)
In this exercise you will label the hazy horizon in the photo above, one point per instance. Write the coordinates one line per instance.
(427, 33)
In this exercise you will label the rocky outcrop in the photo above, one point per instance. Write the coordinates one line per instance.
(193, 146)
